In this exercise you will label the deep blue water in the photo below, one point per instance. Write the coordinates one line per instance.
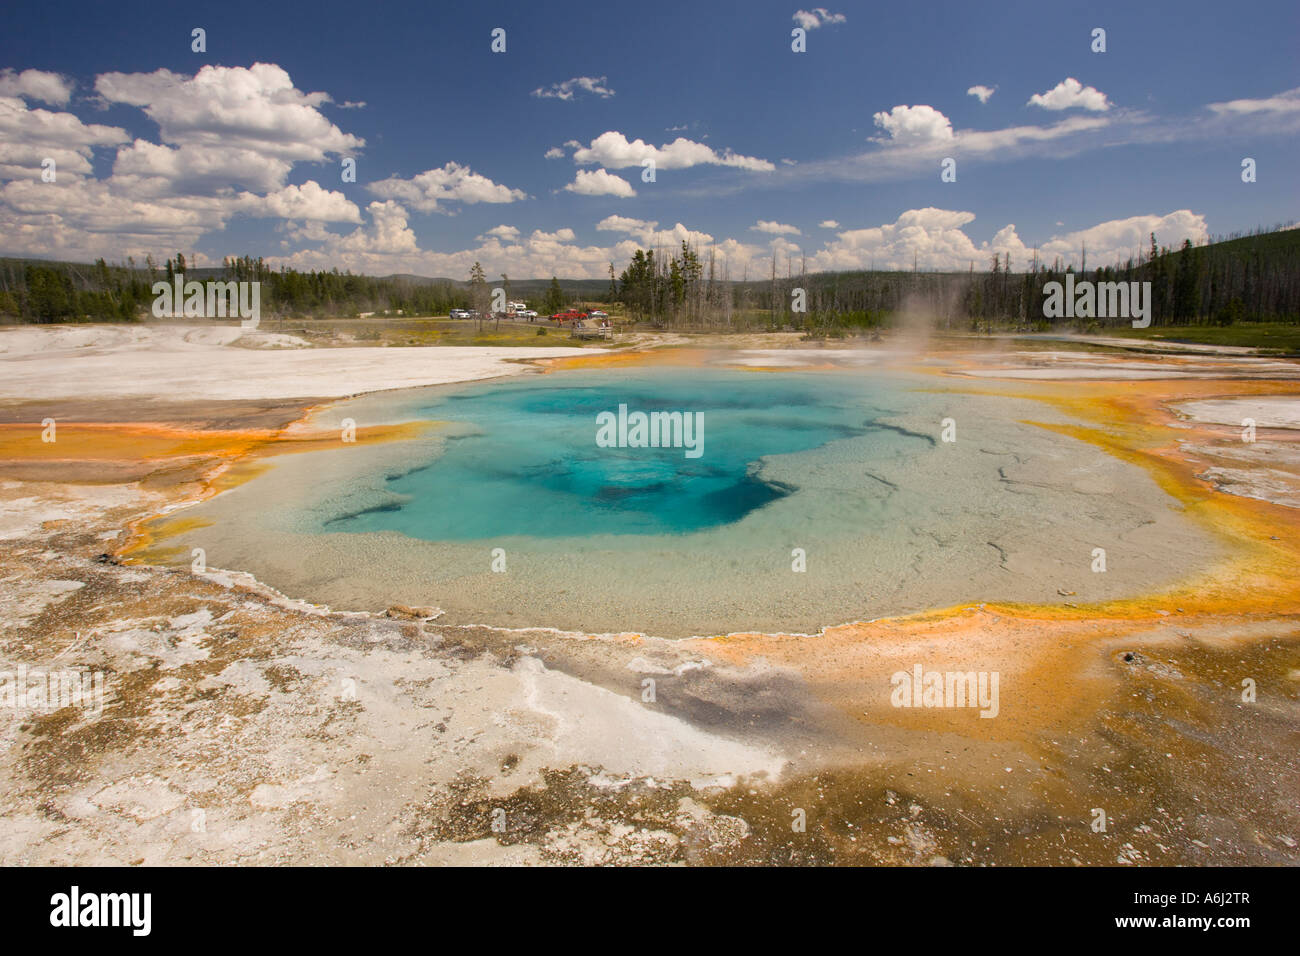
(532, 466)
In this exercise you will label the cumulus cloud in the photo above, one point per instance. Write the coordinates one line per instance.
(255, 108)
(386, 235)
(1118, 239)
(28, 136)
(915, 125)
(816, 17)
(81, 219)
(310, 201)
(933, 236)
(600, 183)
(500, 250)
(626, 224)
(154, 170)
(614, 151)
(828, 224)
(569, 89)
(775, 228)
(554, 153)
(1071, 94)
(560, 235)
(230, 137)
(648, 233)
(937, 239)
(36, 85)
(450, 183)
(981, 92)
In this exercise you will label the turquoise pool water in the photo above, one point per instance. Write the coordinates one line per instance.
(531, 465)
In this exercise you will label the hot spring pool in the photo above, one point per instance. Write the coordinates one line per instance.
(798, 500)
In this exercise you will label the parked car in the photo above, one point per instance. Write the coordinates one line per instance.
(458, 314)
(570, 315)
(597, 314)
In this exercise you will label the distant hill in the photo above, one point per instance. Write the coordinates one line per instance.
(1240, 278)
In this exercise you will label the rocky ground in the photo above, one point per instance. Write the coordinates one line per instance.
(238, 726)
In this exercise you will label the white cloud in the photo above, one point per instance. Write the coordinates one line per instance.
(570, 88)
(600, 183)
(981, 92)
(81, 219)
(36, 85)
(933, 236)
(560, 235)
(151, 170)
(816, 17)
(1070, 94)
(634, 227)
(648, 233)
(613, 150)
(554, 153)
(309, 202)
(912, 125)
(896, 160)
(938, 240)
(828, 224)
(936, 237)
(28, 136)
(1288, 102)
(1118, 239)
(309, 231)
(541, 254)
(450, 183)
(230, 137)
(774, 228)
(255, 108)
(387, 234)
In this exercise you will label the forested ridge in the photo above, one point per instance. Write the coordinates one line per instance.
(1245, 278)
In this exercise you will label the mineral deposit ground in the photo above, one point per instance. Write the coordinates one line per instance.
(1147, 714)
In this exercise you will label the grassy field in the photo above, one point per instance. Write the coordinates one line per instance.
(1266, 335)
(427, 331)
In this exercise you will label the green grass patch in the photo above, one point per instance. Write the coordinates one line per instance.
(1285, 339)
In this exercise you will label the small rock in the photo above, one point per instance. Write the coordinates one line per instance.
(426, 613)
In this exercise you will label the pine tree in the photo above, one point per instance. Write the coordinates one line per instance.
(554, 297)
(478, 291)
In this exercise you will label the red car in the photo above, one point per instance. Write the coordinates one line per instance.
(568, 316)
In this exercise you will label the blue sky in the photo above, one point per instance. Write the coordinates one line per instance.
(833, 153)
